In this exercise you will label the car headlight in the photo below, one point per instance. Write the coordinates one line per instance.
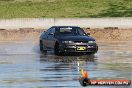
(91, 41)
(67, 42)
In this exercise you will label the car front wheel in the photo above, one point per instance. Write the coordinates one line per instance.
(56, 49)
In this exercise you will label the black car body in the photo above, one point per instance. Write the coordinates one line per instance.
(67, 39)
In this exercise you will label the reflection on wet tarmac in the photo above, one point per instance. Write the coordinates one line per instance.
(23, 66)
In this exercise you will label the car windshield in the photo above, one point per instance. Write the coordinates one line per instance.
(70, 31)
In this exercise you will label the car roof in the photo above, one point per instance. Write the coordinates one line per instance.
(65, 27)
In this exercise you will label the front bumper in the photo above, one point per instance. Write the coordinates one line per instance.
(78, 47)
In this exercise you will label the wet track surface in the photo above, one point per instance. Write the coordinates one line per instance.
(23, 66)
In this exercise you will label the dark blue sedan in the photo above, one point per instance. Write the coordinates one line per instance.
(67, 39)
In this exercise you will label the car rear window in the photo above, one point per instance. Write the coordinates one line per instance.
(65, 29)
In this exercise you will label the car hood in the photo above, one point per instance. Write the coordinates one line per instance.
(75, 38)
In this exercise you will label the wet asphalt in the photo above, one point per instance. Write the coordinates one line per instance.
(22, 65)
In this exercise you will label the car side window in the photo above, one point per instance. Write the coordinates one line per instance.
(48, 31)
(53, 30)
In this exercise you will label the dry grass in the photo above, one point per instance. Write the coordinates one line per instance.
(98, 34)
(111, 34)
(19, 35)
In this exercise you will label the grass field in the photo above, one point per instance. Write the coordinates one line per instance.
(65, 8)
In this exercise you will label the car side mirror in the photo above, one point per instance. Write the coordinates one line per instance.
(88, 33)
(51, 34)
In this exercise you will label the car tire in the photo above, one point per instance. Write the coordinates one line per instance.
(42, 47)
(56, 49)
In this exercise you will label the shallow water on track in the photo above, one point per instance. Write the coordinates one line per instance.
(23, 66)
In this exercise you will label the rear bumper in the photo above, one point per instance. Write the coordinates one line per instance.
(91, 48)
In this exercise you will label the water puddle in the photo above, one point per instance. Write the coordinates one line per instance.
(23, 66)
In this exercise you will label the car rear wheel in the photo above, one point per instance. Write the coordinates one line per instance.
(42, 47)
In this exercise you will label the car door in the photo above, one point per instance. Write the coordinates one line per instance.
(46, 39)
(51, 38)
